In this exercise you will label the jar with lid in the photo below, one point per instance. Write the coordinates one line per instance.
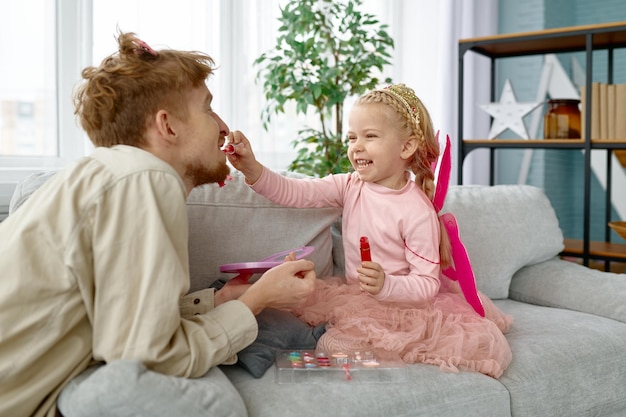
(562, 119)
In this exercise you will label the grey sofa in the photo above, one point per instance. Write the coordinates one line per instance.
(568, 335)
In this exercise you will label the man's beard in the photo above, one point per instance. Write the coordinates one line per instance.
(199, 174)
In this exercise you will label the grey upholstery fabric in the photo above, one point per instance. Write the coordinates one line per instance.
(563, 284)
(235, 224)
(504, 228)
(126, 388)
(427, 391)
(565, 363)
(25, 188)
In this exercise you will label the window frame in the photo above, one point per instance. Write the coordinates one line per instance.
(72, 45)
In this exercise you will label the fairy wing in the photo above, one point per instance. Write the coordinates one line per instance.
(462, 269)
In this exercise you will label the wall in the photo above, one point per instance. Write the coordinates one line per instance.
(559, 173)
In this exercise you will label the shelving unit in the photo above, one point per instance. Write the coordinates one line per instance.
(572, 39)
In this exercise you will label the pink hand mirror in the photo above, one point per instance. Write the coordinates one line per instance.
(249, 268)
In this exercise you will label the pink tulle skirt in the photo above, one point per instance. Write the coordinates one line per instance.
(443, 331)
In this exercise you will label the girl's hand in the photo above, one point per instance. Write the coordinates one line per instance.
(243, 158)
(371, 277)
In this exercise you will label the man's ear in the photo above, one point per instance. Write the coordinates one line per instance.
(165, 126)
(409, 148)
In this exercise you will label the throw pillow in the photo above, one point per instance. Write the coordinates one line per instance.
(277, 330)
(504, 228)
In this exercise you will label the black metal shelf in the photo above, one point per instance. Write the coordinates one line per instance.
(588, 38)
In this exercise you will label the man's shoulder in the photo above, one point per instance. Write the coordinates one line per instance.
(120, 170)
(123, 159)
(110, 166)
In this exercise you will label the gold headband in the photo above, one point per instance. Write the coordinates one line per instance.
(407, 97)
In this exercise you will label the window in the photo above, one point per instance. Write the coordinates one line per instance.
(49, 42)
(35, 93)
(233, 32)
(27, 102)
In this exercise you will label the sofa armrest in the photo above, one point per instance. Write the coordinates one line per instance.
(26, 187)
(563, 284)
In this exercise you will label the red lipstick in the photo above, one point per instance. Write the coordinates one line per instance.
(366, 256)
(229, 148)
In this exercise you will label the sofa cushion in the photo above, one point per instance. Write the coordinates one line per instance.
(504, 228)
(224, 220)
(426, 391)
(565, 363)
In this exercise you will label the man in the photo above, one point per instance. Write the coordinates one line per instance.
(95, 265)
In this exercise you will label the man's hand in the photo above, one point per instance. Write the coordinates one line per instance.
(282, 287)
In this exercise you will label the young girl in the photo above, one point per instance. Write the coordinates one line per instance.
(399, 301)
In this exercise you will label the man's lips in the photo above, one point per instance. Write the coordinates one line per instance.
(223, 183)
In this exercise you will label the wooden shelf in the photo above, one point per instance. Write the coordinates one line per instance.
(535, 142)
(585, 39)
(532, 143)
(608, 144)
(471, 144)
(598, 250)
(527, 142)
(570, 39)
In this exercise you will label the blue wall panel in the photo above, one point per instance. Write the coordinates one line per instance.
(559, 173)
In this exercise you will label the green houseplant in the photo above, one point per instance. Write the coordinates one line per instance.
(326, 51)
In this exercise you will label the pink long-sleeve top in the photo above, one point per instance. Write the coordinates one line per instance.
(402, 227)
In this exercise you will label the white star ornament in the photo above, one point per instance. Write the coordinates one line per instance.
(508, 113)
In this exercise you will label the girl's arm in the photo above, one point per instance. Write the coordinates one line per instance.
(302, 192)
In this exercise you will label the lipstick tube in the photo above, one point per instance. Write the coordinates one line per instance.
(365, 249)
(229, 148)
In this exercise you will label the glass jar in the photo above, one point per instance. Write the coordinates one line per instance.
(562, 119)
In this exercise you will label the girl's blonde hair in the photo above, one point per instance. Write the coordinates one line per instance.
(415, 120)
(117, 99)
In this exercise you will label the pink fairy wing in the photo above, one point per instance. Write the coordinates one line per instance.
(445, 165)
(462, 270)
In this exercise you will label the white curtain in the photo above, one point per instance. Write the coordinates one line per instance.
(427, 59)
(236, 32)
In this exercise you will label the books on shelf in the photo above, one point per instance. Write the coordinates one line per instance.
(608, 114)
(608, 111)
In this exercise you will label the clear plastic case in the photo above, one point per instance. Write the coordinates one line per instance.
(316, 367)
